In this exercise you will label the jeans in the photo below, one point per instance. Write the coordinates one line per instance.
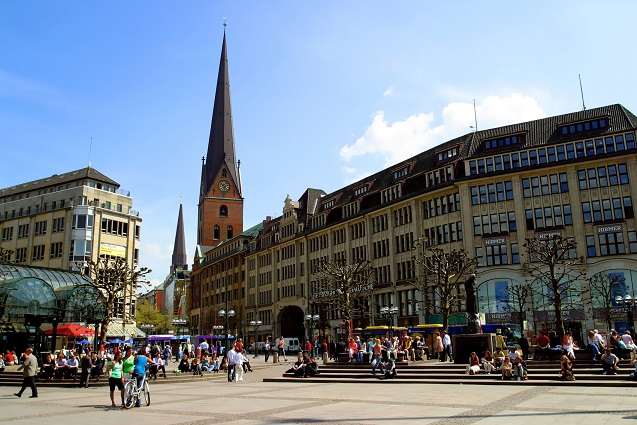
(231, 374)
(594, 350)
(376, 362)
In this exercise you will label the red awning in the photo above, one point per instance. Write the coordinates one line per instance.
(71, 330)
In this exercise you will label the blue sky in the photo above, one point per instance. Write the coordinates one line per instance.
(323, 93)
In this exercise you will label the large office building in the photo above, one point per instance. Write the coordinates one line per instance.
(60, 221)
(485, 192)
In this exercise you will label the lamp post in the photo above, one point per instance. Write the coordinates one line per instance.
(629, 303)
(256, 324)
(147, 328)
(225, 316)
(312, 320)
(388, 313)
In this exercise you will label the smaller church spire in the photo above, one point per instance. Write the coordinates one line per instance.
(179, 249)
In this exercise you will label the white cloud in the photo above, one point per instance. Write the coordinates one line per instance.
(399, 140)
(389, 91)
(349, 170)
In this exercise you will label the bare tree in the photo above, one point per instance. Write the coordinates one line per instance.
(553, 269)
(519, 296)
(602, 291)
(112, 278)
(344, 287)
(5, 255)
(443, 274)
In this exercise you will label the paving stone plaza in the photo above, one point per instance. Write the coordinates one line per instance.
(206, 401)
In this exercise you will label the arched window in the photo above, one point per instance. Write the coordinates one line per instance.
(223, 211)
(215, 234)
(224, 173)
(229, 232)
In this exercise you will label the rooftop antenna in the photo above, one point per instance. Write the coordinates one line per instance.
(90, 148)
(475, 117)
(225, 21)
(581, 91)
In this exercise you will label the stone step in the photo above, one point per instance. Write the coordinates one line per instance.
(399, 380)
(455, 377)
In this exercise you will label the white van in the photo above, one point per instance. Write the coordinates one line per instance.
(291, 345)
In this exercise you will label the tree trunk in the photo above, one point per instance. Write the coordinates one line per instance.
(559, 323)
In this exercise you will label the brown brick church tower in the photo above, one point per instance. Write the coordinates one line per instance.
(220, 199)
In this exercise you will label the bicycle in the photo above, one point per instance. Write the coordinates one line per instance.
(132, 394)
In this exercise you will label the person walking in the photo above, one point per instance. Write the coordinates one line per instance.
(29, 368)
(231, 363)
(446, 345)
(266, 349)
(281, 346)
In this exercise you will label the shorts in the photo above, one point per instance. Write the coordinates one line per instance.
(116, 382)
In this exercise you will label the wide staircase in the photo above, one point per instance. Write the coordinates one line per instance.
(547, 372)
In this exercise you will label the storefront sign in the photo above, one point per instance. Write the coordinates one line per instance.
(549, 316)
(112, 250)
(494, 241)
(548, 235)
(613, 228)
(508, 317)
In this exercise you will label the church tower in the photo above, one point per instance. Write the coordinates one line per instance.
(179, 260)
(220, 199)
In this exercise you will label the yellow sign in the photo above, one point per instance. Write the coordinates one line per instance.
(112, 250)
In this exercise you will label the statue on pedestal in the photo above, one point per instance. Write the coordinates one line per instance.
(473, 321)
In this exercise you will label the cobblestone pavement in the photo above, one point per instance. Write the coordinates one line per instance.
(255, 402)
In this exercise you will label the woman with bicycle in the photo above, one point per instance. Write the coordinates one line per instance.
(116, 377)
(139, 371)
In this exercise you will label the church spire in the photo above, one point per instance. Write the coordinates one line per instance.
(179, 249)
(221, 153)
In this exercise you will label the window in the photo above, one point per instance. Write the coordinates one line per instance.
(360, 190)
(632, 241)
(215, 232)
(583, 126)
(515, 254)
(493, 192)
(58, 225)
(82, 221)
(56, 250)
(223, 211)
(7, 234)
(447, 154)
(401, 173)
(590, 246)
(611, 243)
(38, 253)
(23, 231)
(496, 254)
(21, 255)
(501, 142)
(39, 228)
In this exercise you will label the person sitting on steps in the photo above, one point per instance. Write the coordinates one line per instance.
(609, 362)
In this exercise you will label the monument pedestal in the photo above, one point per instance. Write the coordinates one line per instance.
(464, 344)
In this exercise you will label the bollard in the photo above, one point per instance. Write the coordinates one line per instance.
(275, 357)
(325, 358)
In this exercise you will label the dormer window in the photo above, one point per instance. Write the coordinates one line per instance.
(402, 172)
(598, 124)
(449, 153)
(329, 204)
(359, 191)
(503, 141)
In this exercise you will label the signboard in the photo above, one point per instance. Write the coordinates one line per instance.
(508, 317)
(494, 241)
(547, 235)
(549, 315)
(112, 250)
(612, 228)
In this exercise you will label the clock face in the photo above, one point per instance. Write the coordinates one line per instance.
(224, 185)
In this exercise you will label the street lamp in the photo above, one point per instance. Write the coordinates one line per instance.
(223, 315)
(388, 313)
(312, 320)
(147, 328)
(629, 303)
(256, 325)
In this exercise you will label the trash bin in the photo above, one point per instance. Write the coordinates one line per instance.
(275, 357)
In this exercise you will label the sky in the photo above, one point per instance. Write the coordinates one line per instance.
(323, 93)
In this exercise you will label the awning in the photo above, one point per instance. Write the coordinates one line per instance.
(70, 330)
(114, 330)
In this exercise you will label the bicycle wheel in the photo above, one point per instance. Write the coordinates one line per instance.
(129, 394)
(147, 393)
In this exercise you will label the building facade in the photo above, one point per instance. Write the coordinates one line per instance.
(63, 220)
(485, 192)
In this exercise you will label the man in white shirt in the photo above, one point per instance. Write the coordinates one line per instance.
(231, 363)
(204, 346)
(446, 345)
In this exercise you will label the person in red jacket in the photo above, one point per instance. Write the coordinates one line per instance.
(543, 346)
